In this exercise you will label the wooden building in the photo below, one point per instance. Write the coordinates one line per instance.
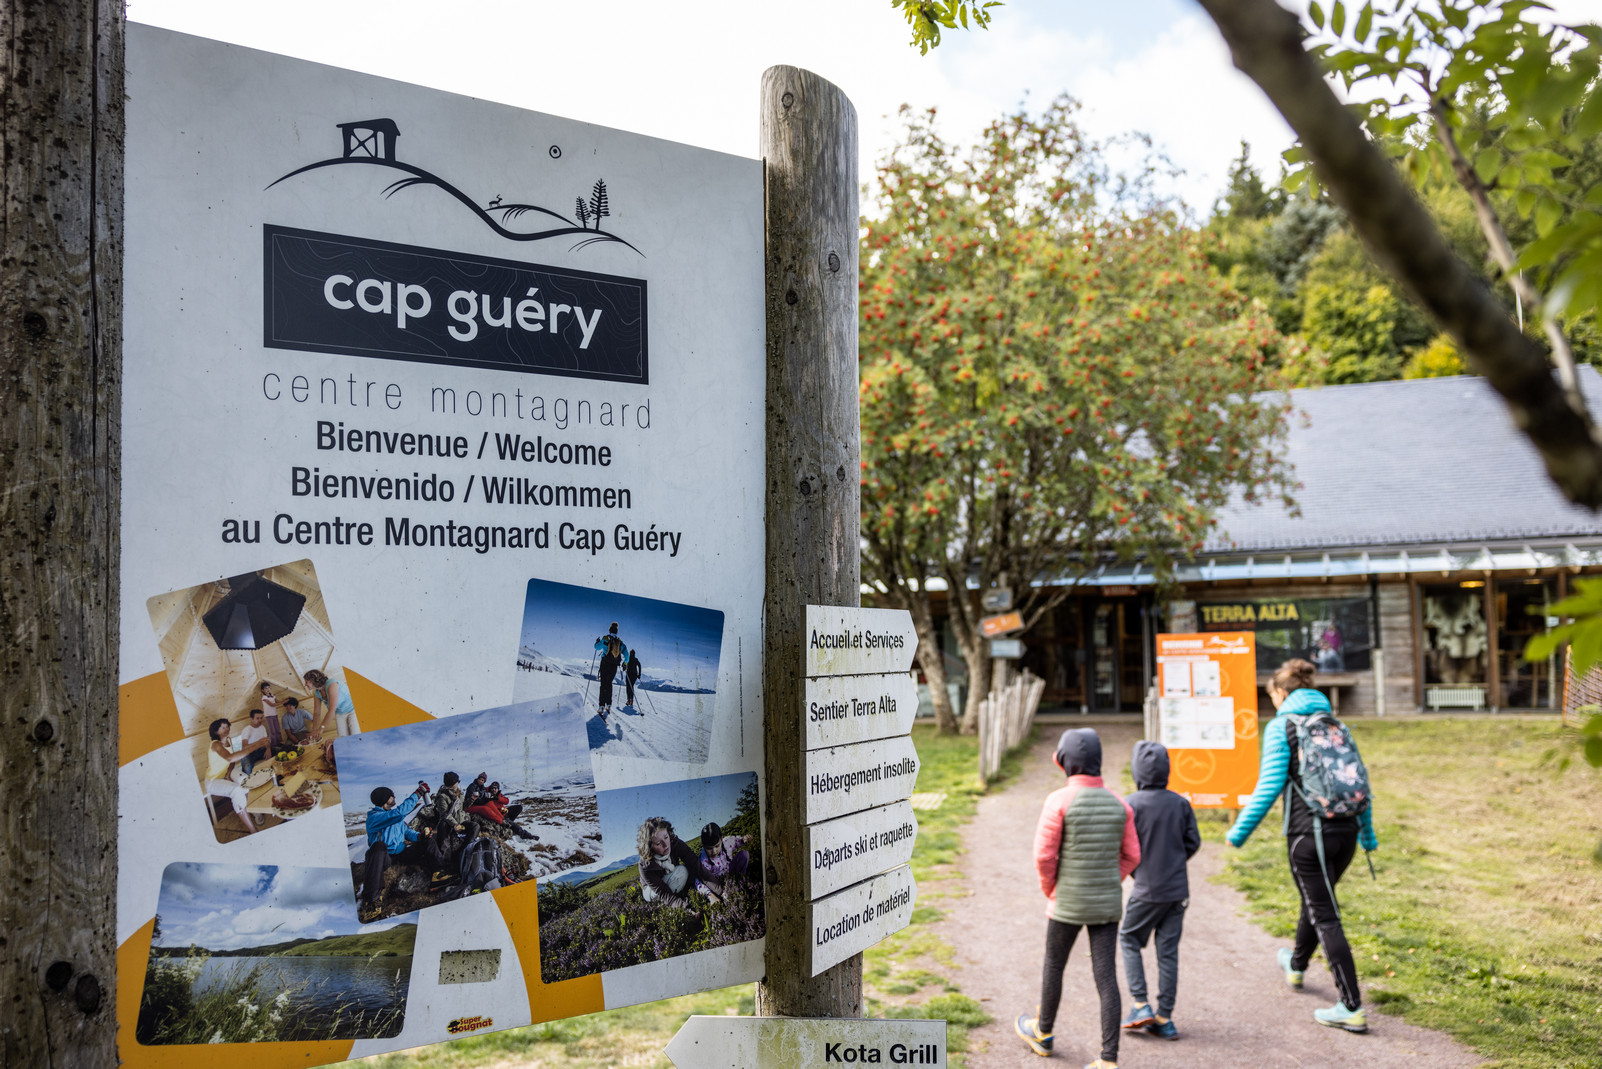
(1428, 548)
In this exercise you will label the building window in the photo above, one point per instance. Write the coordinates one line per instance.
(1521, 614)
(1333, 633)
(1456, 645)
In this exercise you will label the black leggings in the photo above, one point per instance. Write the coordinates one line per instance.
(1103, 963)
(1319, 923)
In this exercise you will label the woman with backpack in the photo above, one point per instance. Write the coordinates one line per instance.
(612, 652)
(1309, 757)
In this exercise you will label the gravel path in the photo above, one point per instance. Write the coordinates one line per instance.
(1233, 1008)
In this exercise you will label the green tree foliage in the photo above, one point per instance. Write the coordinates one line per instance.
(928, 17)
(1476, 93)
(1050, 367)
(1437, 359)
(1354, 331)
(1245, 195)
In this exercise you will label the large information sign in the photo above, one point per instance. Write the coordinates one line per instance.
(1207, 715)
(442, 565)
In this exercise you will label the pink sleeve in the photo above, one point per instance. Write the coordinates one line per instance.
(1048, 843)
(1129, 851)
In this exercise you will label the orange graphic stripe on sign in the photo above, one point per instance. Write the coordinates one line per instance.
(520, 908)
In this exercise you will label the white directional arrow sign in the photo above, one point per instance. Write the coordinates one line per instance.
(850, 921)
(851, 849)
(844, 641)
(846, 709)
(846, 779)
(792, 1042)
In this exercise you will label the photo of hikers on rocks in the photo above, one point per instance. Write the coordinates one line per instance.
(646, 671)
(467, 804)
(681, 874)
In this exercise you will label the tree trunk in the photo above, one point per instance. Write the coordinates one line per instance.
(60, 392)
(814, 519)
(1266, 42)
(933, 661)
(976, 657)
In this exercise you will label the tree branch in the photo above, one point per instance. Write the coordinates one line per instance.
(1502, 251)
(1265, 41)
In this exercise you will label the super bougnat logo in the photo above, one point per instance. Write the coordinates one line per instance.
(371, 143)
(469, 1024)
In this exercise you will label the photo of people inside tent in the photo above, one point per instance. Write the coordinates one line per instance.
(465, 804)
(680, 875)
(260, 693)
(646, 671)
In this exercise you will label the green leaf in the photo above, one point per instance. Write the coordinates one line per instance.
(1548, 212)
(1524, 201)
(1546, 158)
(1487, 163)
(1337, 18)
(1365, 23)
(1587, 122)
(1316, 13)
(1593, 752)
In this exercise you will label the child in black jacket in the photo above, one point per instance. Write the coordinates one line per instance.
(1169, 838)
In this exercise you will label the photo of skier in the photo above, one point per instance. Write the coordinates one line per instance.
(586, 646)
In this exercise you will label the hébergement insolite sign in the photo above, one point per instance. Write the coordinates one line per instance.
(443, 450)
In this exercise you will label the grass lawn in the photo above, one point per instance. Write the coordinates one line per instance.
(902, 977)
(1486, 920)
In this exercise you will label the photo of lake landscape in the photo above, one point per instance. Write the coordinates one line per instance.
(264, 953)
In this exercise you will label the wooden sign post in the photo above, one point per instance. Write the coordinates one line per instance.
(809, 146)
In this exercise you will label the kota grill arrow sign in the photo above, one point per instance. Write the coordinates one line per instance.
(789, 1042)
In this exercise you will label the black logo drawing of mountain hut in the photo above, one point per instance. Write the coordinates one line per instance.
(374, 138)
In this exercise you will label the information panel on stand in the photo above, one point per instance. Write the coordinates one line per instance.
(1207, 715)
(441, 630)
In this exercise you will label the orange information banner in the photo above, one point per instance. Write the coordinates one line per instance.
(1207, 715)
(991, 626)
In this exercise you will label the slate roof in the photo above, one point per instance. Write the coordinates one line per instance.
(1414, 462)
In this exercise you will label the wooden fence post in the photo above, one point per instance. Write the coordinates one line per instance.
(809, 144)
(61, 76)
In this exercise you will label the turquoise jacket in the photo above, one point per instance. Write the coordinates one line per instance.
(1274, 772)
(388, 826)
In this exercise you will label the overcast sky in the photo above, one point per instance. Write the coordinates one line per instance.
(225, 907)
(691, 72)
(518, 745)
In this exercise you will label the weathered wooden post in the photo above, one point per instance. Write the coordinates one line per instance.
(809, 143)
(61, 74)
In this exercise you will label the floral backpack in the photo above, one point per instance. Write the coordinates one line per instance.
(1334, 780)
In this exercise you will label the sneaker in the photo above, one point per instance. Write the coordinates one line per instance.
(1293, 977)
(1102, 1063)
(1338, 1016)
(1029, 1029)
(1162, 1029)
(1139, 1016)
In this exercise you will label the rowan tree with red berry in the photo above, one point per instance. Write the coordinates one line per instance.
(1051, 376)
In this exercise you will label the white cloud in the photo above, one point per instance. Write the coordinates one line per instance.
(693, 75)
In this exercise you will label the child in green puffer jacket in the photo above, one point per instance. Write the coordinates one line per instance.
(1085, 845)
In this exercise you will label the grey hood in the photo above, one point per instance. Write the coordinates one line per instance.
(1149, 765)
(1079, 752)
